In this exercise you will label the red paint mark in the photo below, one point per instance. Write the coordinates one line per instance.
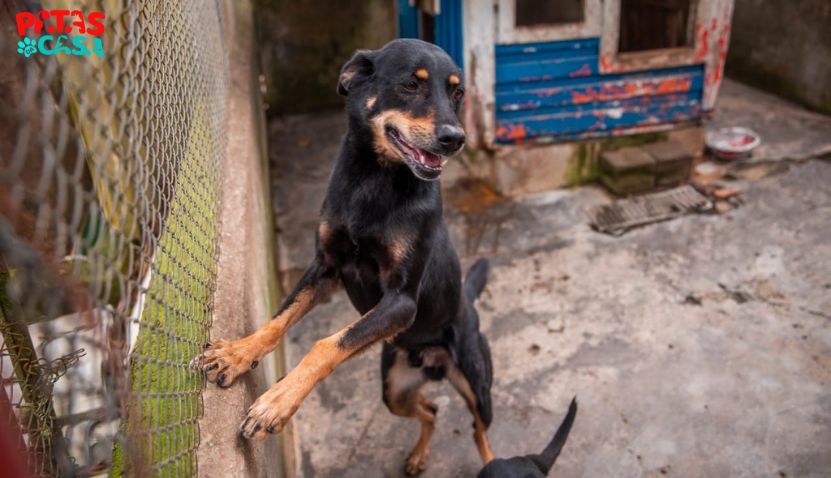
(608, 65)
(511, 132)
(645, 88)
(673, 85)
(715, 71)
(547, 92)
(702, 47)
(584, 70)
(723, 40)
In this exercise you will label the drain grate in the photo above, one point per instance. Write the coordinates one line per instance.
(626, 214)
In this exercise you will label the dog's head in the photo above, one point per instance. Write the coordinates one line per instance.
(407, 96)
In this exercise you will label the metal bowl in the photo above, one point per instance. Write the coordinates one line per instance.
(732, 143)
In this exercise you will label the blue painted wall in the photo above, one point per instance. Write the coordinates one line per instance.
(554, 91)
(447, 27)
(449, 30)
(407, 20)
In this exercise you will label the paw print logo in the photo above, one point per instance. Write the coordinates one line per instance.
(26, 47)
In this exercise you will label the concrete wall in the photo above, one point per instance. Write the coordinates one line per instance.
(304, 44)
(785, 48)
(246, 283)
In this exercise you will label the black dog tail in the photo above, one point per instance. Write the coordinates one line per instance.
(476, 278)
(548, 456)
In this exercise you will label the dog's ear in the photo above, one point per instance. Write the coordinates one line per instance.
(356, 70)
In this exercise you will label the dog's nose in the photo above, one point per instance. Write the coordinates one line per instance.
(450, 137)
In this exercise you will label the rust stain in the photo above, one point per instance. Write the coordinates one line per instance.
(471, 195)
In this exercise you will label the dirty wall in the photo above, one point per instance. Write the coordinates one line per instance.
(304, 44)
(785, 48)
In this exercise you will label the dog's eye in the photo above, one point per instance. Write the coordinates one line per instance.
(458, 94)
(411, 86)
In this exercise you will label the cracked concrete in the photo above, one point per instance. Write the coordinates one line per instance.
(696, 347)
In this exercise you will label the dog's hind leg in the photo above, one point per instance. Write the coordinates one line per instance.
(472, 378)
(402, 394)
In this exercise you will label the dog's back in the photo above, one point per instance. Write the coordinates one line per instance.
(533, 466)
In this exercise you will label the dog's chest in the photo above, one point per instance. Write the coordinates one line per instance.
(347, 246)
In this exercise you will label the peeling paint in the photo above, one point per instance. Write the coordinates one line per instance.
(584, 70)
(577, 101)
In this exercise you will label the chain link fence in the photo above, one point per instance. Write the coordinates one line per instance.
(109, 183)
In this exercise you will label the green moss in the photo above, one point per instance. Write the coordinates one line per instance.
(583, 165)
(174, 322)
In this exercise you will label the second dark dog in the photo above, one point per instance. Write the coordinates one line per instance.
(533, 466)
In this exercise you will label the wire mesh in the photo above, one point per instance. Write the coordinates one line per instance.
(109, 174)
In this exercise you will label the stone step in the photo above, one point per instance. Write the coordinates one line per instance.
(641, 168)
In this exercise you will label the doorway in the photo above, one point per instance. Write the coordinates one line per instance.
(656, 24)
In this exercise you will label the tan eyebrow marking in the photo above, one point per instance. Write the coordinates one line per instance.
(422, 74)
(454, 80)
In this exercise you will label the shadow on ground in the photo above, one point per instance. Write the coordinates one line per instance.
(696, 347)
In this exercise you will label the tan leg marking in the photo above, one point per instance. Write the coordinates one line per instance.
(224, 361)
(405, 399)
(420, 455)
(324, 232)
(273, 409)
(480, 431)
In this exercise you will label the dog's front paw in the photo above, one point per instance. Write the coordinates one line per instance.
(417, 462)
(223, 361)
(273, 409)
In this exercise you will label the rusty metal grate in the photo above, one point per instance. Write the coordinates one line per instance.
(109, 191)
(625, 214)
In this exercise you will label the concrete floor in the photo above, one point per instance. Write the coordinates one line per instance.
(696, 347)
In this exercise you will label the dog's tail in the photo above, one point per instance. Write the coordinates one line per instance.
(476, 278)
(546, 459)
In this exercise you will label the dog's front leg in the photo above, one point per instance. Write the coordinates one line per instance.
(270, 412)
(223, 361)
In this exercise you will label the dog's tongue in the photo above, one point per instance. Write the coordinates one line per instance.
(429, 159)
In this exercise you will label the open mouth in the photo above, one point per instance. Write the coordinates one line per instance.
(424, 164)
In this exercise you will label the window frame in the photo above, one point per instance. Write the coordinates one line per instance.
(508, 32)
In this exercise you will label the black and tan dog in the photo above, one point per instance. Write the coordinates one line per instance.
(537, 465)
(382, 236)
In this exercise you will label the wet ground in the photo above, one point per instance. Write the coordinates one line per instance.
(695, 347)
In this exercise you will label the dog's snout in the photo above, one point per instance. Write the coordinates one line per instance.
(450, 137)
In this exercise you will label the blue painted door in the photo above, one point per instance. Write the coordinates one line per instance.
(553, 91)
(446, 26)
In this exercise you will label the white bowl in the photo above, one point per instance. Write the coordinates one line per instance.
(732, 143)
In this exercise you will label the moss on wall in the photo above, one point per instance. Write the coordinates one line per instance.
(304, 44)
(583, 165)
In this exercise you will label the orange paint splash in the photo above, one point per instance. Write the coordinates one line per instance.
(511, 132)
